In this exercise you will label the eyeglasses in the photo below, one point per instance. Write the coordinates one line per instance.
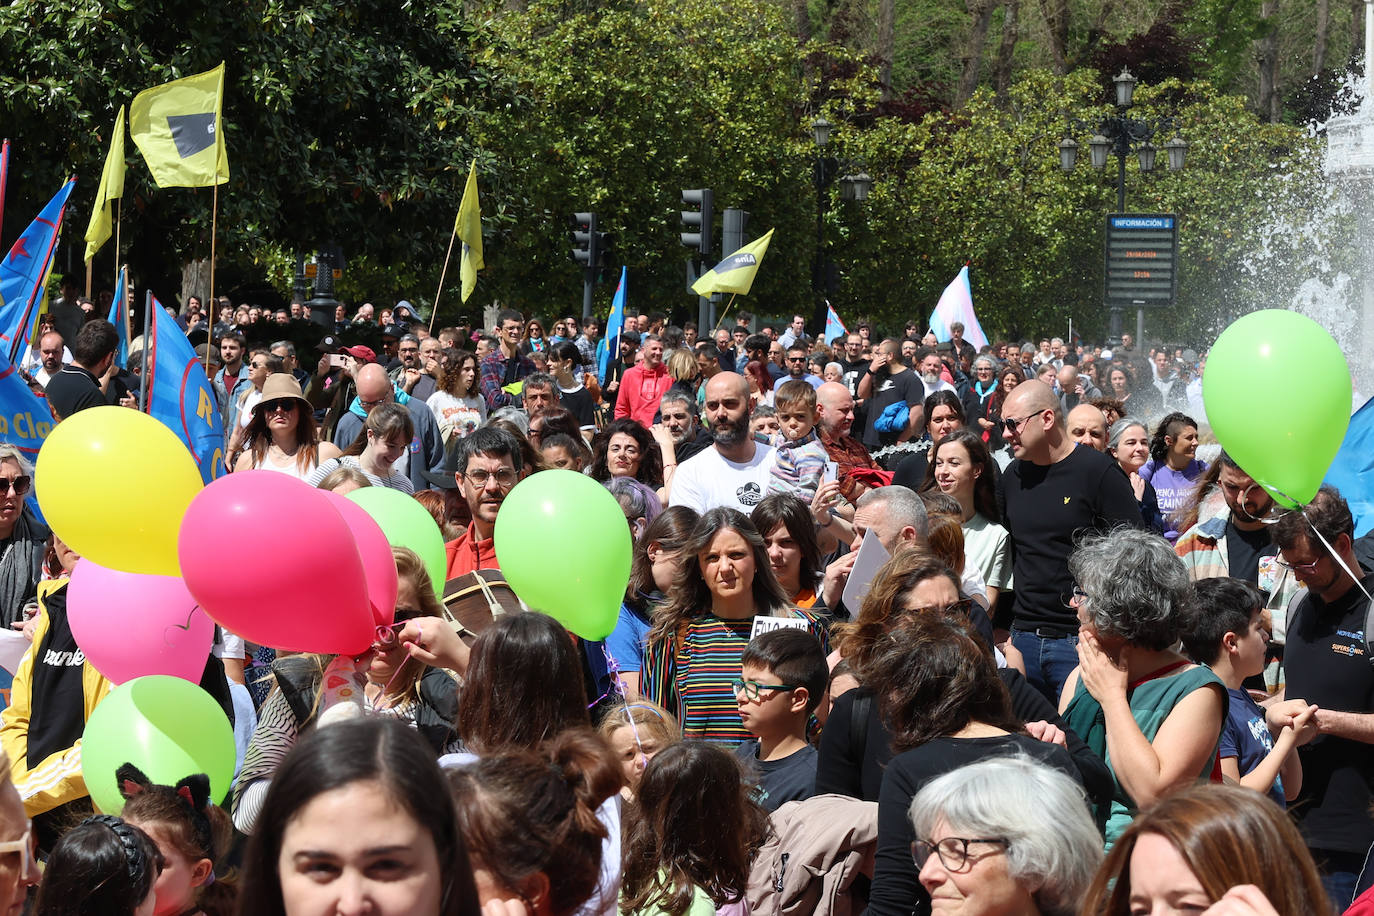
(952, 850)
(18, 486)
(368, 405)
(1077, 597)
(28, 865)
(505, 478)
(1306, 569)
(285, 405)
(960, 607)
(752, 689)
(1013, 425)
(796, 359)
(259, 365)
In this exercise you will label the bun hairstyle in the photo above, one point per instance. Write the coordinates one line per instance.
(103, 867)
(189, 822)
(524, 813)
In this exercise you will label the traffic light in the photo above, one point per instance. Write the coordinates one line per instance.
(586, 240)
(732, 226)
(605, 256)
(696, 224)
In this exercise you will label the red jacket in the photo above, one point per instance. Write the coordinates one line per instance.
(640, 391)
(466, 553)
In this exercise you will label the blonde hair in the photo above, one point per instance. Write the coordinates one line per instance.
(646, 718)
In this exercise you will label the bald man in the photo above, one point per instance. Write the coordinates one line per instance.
(834, 420)
(1088, 426)
(1050, 494)
(426, 451)
(733, 472)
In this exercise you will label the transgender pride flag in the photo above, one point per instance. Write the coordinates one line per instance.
(956, 304)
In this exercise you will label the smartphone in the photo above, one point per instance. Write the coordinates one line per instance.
(337, 359)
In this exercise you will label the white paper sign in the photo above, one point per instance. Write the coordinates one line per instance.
(769, 624)
(13, 645)
(872, 556)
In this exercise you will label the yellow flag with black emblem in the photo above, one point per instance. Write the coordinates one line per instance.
(735, 274)
(178, 129)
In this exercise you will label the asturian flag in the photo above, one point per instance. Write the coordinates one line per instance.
(119, 317)
(956, 304)
(1353, 470)
(179, 394)
(24, 275)
(610, 342)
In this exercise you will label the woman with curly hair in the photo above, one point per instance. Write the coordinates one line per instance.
(1173, 468)
(693, 652)
(690, 838)
(1138, 703)
(626, 449)
(457, 405)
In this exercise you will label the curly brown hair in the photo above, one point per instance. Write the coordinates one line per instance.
(693, 825)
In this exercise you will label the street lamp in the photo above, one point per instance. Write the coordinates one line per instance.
(1120, 135)
(853, 186)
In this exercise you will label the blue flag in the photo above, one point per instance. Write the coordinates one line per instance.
(834, 327)
(119, 315)
(179, 394)
(611, 339)
(24, 272)
(1353, 470)
(25, 418)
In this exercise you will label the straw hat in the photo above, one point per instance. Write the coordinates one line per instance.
(281, 385)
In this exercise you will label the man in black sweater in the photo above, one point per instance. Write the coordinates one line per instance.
(1053, 491)
(80, 384)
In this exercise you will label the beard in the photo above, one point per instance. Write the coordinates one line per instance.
(729, 432)
(931, 378)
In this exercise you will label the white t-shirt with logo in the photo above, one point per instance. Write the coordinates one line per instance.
(707, 480)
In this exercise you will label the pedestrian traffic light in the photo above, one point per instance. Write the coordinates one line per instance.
(605, 257)
(733, 223)
(585, 240)
(696, 224)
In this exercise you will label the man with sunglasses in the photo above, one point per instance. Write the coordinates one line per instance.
(1048, 496)
(1327, 663)
(796, 369)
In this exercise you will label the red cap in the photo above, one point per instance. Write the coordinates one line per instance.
(360, 353)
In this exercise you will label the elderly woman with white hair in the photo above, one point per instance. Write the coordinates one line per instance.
(23, 538)
(985, 847)
(1138, 703)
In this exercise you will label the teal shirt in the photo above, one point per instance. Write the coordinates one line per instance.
(1151, 703)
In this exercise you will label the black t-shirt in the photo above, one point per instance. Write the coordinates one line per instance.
(579, 403)
(897, 889)
(1045, 507)
(1244, 550)
(57, 710)
(793, 778)
(853, 373)
(74, 389)
(888, 389)
(1326, 662)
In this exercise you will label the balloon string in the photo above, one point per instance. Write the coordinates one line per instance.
(617, 683)
(1336, 556)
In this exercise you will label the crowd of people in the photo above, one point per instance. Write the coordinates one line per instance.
(910, 626)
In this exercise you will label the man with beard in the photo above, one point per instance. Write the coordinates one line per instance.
(930, 365)
(410, 374)
(1228, 538)
(677, 413)
(733, 472)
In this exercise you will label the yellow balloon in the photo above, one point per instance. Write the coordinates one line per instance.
(114, 483)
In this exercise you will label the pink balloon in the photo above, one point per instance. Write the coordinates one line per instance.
(129, 624)
(270, 559)
(379, 565)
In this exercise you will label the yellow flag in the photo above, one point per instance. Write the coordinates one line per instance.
(734, 274)
(468, 227)
(178, 129)
(111, 186)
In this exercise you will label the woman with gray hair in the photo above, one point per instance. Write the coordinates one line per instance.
(985, 847)
(638, 501)
(1128, 441)
(1141, 705)
(23, 538)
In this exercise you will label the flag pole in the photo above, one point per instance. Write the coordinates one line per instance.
(88, 275)
(442, 273)
(147, 352)
(214, 223)
(724, 312)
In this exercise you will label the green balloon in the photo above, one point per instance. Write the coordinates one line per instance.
(564, 546)
(406, 523)
(1277, 392)
(167, 727)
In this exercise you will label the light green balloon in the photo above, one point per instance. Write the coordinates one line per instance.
(167, 727)
(564, 546)
(1277, 392)
(406, 523)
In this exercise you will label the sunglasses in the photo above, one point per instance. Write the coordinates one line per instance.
(28, 865)
(285, 405)
(19, 485)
